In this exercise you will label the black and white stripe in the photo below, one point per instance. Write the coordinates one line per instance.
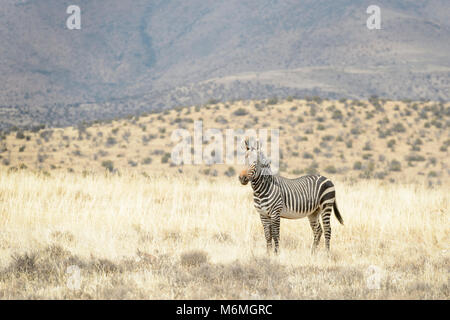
(276, 197)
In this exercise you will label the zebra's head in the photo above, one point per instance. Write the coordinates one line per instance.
(256, 164)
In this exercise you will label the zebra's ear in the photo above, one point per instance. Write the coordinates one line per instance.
(246, 143)
(266, 161)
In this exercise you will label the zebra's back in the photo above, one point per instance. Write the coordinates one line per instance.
(304, 195)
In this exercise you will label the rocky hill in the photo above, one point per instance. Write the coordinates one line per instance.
(345, 139)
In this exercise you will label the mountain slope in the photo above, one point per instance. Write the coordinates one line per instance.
(133, 56)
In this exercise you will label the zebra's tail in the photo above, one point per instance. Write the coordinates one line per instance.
(336, 213)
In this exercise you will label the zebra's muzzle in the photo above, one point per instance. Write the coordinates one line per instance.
(243, 177)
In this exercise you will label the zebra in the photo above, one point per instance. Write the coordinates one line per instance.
(276, 197)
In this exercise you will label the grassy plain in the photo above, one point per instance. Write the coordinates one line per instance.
(181, 236)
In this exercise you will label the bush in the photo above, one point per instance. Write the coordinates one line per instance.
(147, 160)
(395, 165)
(240, 112)
(398, 127)
(221, 119)
(20, 135)
(272, 101)
(320, 127)
(432, 174)
(307, 155)
(391, 143)
(193, 258)
(367, 146)
(330, 169)
(337, 115)
(132, 163)
(328, 138)
(415, 158)
(349, 144)
(111, 141)
(108, 165)
(165, 158)
(230, 172)
(357, 165)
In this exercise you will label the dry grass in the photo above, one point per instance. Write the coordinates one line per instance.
(175, 236)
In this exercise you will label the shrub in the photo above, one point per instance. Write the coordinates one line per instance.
(337, 115)
(398, 127)
(415, 158)
(357, 165)
(395, 165)
(230, 172)
(111, 141)
(391, 143)
(330, 169)
(132, 163)
(367, 146)
(213, 101)
(240, 112)
(165, 158)
(221, 119)
(108, 165)
(307, 155)
(147, 160)
(349, 144)
(22, 148)
(193, 258)
(355, 131)
(432, 174)
(20, 135)
(272, 101)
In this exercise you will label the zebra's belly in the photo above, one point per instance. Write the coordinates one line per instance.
(290, 214)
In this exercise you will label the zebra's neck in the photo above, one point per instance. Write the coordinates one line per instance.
(262, 179)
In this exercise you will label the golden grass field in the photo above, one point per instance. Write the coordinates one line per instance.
(180, 236)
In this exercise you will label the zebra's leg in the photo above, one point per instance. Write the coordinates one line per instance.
(326, 213)
(316, 228)
(275, 217)
(267, 224)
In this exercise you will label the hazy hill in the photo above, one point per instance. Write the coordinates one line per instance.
(134, 56)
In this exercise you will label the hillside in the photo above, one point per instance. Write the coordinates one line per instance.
(135, 56)
(347, 139)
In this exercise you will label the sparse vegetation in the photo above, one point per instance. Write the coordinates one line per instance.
(108, 165)
(136, 251)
